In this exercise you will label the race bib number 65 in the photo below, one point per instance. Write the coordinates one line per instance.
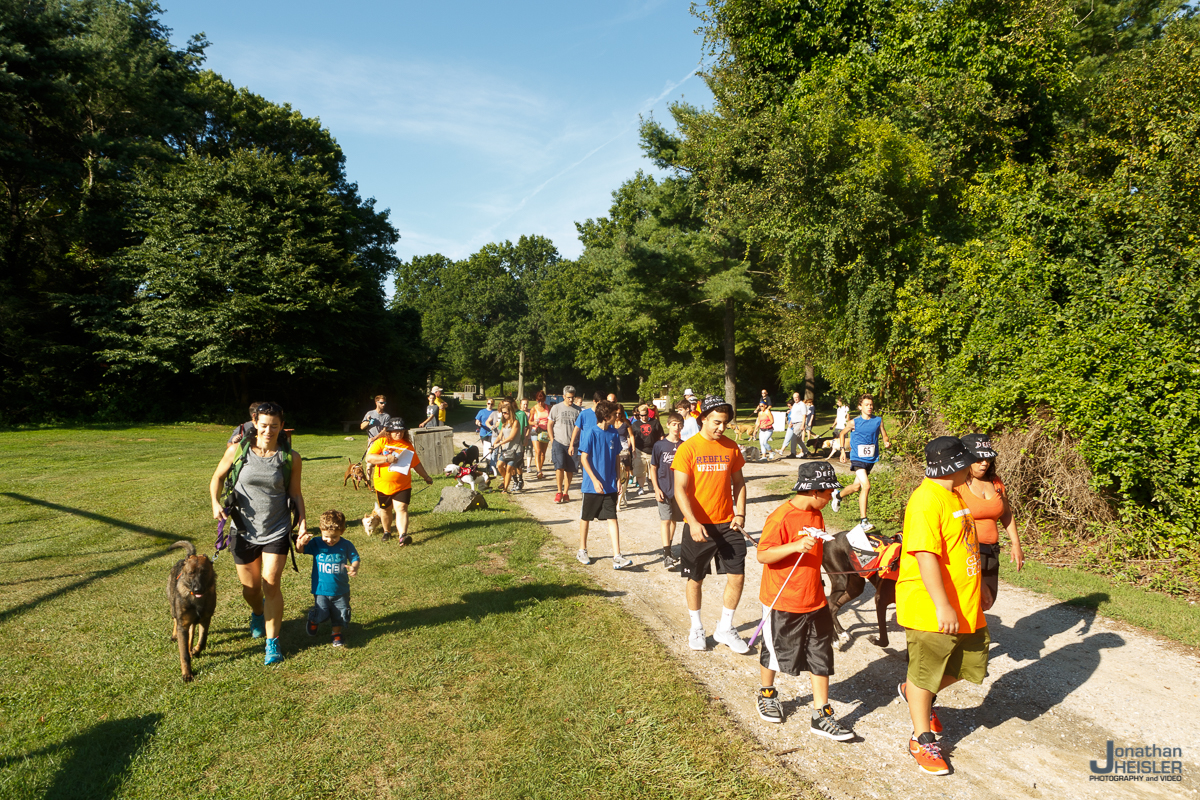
(866, 451)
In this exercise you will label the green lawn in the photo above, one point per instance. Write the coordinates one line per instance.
(478, 665)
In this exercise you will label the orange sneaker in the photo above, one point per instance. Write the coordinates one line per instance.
(928, 753)
(935, 724)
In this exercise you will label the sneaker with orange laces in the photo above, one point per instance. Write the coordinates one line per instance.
(928, 753)
(935, 724)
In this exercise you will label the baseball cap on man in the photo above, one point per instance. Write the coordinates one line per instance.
(816, 476)
(436, 389)
(944, 456)
(713, 403)
(978, 446)
(395, 424)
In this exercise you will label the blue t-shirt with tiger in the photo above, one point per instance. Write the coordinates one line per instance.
(329, 576)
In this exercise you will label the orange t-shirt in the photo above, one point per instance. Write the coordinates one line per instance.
(804, 592)
(711, 466)
(985, 512)
(386, 480)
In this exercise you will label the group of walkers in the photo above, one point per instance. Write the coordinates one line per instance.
(948, 571)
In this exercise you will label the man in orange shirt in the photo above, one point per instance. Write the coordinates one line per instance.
(797, 626)
(395, 457)
(937, 597)
(711, 493)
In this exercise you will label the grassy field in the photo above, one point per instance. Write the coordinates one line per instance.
(478, 663)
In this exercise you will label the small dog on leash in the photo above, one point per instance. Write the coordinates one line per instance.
(356, 473)
(192, 595)
(372, 523)
(468, 475)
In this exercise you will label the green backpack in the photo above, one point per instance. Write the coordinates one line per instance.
(239, 461)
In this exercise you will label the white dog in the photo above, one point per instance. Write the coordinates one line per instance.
(468, 475)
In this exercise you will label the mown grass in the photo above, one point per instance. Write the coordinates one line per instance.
(1170, 617)
(478, 664)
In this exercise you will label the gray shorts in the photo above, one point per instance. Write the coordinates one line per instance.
(669, 511)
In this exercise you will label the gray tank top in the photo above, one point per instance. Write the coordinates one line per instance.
(261, 500)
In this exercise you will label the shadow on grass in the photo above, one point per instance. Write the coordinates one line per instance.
(99, 758)
(79, 512)
(476, 606)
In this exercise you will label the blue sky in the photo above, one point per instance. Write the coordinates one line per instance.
(473, 122)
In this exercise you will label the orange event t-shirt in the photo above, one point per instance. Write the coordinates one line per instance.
(803, 592)
(985, 512)
(387, 481)
(711, 466)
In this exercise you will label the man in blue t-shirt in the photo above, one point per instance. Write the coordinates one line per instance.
(481, 421)
(600, 449)
(335, 561)
(586, 419)
(865, 432)
(662, 478)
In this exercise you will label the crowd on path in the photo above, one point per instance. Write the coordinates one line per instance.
(948, 568)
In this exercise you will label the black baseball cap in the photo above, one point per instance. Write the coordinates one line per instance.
(816, 476)
(945, 456)
(395, 424)
(713, 403)
(978, 446)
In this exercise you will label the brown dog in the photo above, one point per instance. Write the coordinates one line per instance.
(192, 593)
(356, 473)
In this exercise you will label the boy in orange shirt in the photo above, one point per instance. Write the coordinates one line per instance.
(797, 628)
(937, 597)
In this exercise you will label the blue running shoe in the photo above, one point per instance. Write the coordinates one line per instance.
(258, 626)
(273, 655)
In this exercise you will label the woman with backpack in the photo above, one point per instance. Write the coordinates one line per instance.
(263, 476)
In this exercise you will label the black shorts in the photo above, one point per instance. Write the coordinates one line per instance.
(728, 545)
(246, 553)
(598, 506)
(795, 643)
(562, 460)
(989, 566)
(404, 496)
(855, 466)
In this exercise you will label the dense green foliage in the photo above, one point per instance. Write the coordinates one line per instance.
(174, 246)
(987, 208)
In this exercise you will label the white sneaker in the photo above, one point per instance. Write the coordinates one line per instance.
(730, 638)
(866, 526)
(697, 640)
(582, 558)
(836, 502)
(620, 562)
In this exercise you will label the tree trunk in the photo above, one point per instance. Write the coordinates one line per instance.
(730, 358)
(521, 375)
(809, 381)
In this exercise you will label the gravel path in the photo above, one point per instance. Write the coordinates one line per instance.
(1062, 683)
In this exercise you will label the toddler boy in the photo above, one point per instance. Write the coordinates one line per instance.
(335, 561)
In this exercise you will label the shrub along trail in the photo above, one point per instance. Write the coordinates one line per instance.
(1063, 680)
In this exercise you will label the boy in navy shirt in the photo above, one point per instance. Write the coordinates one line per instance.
(663, 481)
(335, 561)
(600, 449)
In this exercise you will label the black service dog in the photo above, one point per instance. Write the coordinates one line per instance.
(192, 594)
(845, 584)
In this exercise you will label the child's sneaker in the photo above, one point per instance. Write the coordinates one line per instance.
(620, 562)
(824, 724)
(583, 558)
(928, 753)
(273, 656)
(337, 640)
(697, 640)
(311, 627)
(769, 707)
(258, 626)
(935, 724)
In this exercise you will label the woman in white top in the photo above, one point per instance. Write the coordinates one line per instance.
(843, 416)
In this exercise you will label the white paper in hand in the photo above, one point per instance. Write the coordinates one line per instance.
(402, 463)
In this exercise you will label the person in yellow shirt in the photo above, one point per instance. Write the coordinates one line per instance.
(937, 597)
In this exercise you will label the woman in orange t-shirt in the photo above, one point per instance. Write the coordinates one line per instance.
(984, 496)
(393, 487)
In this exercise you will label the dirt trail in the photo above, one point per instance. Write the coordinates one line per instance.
(1059, 686)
